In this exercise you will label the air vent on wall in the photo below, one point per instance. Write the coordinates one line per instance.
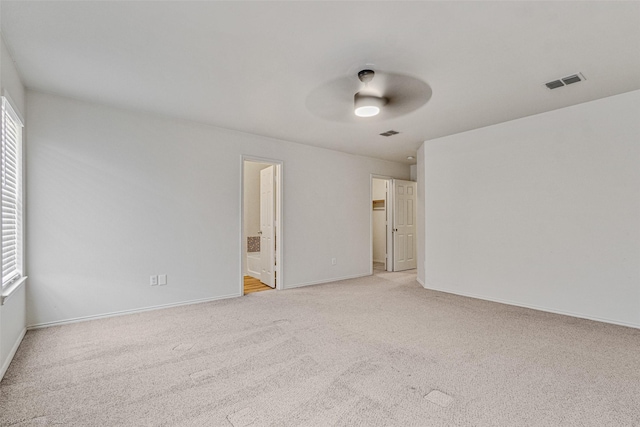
(575, 78)
(389, 133)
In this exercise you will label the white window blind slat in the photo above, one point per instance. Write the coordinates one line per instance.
(10, 265)
(12, 131)
(11, 195)
(10, 180)
(13, 134)
(11, 276)
(7, 192)
(10, 153)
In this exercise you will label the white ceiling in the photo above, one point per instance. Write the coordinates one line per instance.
(250, 66)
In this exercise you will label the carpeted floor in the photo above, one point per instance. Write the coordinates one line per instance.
(372, 351)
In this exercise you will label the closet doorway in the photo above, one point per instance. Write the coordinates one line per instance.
(261, 218)
(380, 220)
(393, 224)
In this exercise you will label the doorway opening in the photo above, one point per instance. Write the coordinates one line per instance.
(393, 224)
(261, 219)
(380, 221)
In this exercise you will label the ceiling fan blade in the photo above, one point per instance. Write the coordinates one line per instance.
(333, 100)
(406, 94)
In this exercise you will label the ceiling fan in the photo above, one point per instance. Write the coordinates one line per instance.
(370, 93)
(366, 102)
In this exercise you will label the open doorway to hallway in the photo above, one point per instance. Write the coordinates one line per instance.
(261, 225)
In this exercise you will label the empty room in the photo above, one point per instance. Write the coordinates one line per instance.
(350, 213)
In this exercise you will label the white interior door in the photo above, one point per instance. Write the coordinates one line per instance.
(267, 240)
(404, 225)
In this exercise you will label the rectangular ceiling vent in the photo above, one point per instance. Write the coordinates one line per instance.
(571, 79)
(555, 84)
(575, 78)
(389, 133)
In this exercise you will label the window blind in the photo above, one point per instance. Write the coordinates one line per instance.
(11, 194)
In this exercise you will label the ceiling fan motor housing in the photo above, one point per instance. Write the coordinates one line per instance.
(366, 76)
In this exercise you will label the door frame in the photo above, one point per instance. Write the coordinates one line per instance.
(389, 211)
(279, 166)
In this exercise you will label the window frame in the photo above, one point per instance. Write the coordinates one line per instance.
(9, 112)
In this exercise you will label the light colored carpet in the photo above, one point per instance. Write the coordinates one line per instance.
(373, 351)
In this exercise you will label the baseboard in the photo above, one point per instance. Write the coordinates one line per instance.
(533, 307)
(125, 312)
(319, 282)
(419, 280)
(12, 353)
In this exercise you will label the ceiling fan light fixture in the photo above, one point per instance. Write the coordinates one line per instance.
(367, 105)
(367, 111)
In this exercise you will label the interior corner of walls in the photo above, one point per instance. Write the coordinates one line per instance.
(11, 353)
(10, 81)
(428, 284)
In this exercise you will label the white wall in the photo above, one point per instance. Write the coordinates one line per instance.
(13, 312)
(379, 192)
(116, 196)
(542, 211)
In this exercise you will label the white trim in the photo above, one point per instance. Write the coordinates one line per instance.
(125, 312)
(11, 288)
(15, 110)
(12, 353)
(319, 282)
(419, 280)
(534, 307)
(279, 164)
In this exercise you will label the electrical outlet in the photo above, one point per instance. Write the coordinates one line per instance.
(153, 280)
(162, 279)
(333, 261)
